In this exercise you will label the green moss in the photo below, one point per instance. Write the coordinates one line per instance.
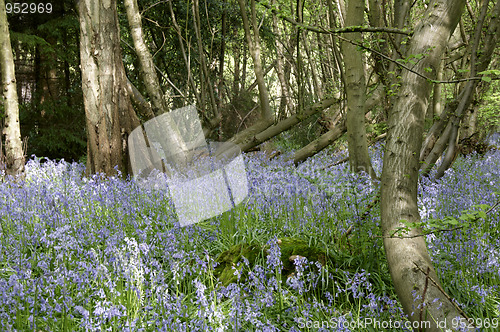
(232, 258)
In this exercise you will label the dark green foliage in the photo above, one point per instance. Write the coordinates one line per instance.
(489, 116)
(58, 133)
(49, 82)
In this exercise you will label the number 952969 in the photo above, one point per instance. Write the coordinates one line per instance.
(28, 8)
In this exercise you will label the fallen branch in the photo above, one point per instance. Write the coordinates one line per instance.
(445, 294)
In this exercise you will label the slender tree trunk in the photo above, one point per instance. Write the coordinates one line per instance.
(14, 156)
(266, 114)
(408, 258)
(435, 132)
(478, 64)
(190, 80)
(301, 89)
(207, 82)
(109, 113)
(285, 102)
(320, 143)
(355, 92)
(148, 72)
(436, 107)
(254, 48)
(315, 79)
(236, 75)
(285, 124)
(172, 140)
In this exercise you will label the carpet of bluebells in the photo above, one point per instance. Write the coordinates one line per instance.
(104, 254)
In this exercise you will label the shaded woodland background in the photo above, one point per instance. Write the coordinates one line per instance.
(301, 66)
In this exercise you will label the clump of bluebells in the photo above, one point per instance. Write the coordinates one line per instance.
(103, 253)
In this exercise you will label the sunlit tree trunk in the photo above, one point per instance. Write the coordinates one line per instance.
(172, 140)
(408, 258)
(285, 102)
(480, 60)
(14, 157)
(145, 59)
(444, 132)
(109, 113)
(355, 92)
(254, 48)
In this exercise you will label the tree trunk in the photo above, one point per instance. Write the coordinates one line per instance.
(285, 124)
(190, 80)
(285, 102)
(14, 156)
(109, 113)
(147, 66)
(320, 143)
(254, 48)
(171, 139)
(480, 60)
(205, 75)
(408, 257)
(355, 93)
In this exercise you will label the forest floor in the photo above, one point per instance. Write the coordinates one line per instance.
(104, 254)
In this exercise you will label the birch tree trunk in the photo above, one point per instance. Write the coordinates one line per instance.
(254, 48)
(109, 113)
(408, 257)
(148, 73)
(172, 140)
(14, 157)
(355, 92)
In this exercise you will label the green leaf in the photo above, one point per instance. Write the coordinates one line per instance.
(490, 72)
(452, 221)
(486, 78)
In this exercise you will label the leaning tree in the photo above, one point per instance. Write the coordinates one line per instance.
(410, 265)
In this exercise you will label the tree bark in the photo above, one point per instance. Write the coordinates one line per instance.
(110, 116)
(254, 48)
(148, 72)
(320, 143)
(284, 125)
(285, 102)
(355, 93)
(408, 257)
(14, 156)
(477, 65)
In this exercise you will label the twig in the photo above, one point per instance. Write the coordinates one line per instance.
(375, 140)
(475, 78)
(322, 30)
(423, 297)
(420, 235)
(438, 230)
(444, 293)
(365, 214)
